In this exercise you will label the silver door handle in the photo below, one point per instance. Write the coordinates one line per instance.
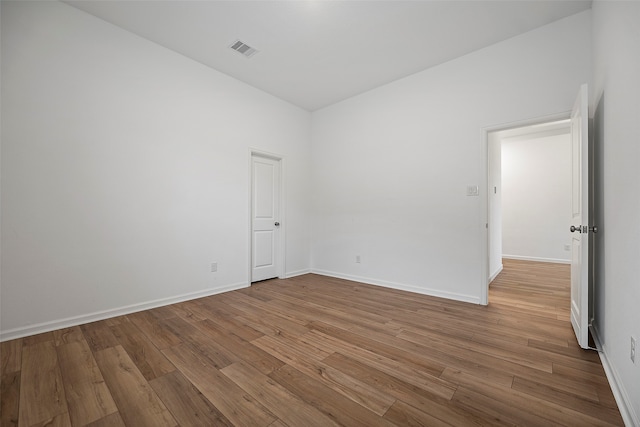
(585, 229)
(277, 224)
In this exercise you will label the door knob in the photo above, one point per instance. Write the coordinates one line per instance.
(277, 224)
(585, 229)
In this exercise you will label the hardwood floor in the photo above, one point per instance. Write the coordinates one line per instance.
(318, 351)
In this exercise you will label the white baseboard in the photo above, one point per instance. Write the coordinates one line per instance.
(494, 275)
(630, 418)
(537, 259)
(399, 286)
(297, 273)
(106, 314)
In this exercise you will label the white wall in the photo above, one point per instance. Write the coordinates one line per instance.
(391, 166)
(125, 171)
(536, 198)
(615, 100)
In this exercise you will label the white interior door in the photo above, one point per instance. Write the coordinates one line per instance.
(265, 213)
(580, 218)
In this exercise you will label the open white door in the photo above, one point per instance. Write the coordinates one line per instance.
(580, 218)
(265, 211)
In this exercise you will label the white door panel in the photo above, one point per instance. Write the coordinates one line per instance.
(265, 210)
(264, 202)
(580, 218)
(263, 249)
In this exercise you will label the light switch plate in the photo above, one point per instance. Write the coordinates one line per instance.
(472, 190)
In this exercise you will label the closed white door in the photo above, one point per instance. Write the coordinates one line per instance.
(265, 211)
(580, 228)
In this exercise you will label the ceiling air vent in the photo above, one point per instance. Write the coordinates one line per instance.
(243, 48)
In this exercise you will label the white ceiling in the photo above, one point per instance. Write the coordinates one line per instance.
(314, 53)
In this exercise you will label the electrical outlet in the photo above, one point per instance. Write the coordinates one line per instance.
(214, 267)
(633, 350)
(357, 259)
(567, 247)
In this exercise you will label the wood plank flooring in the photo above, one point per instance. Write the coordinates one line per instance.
(318, 351)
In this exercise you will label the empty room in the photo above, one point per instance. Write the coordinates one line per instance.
(289, 213)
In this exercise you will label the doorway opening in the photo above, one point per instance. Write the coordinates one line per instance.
(528, 194)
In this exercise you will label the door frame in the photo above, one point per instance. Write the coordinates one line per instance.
(280, 257)
(484, 190)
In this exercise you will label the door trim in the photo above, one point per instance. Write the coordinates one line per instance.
(484, 190)
(281, 245)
